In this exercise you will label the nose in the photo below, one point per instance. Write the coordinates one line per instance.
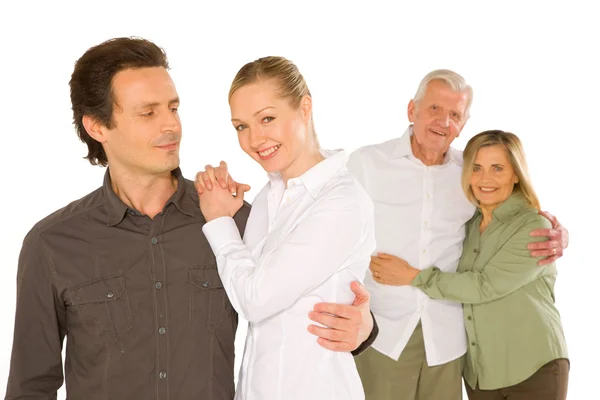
(171, 122)
(257, 137)
(485, 174)
(444, 120)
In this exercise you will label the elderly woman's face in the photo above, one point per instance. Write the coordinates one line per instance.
(493, 177)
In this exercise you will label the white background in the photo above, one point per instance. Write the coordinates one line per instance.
(533, 66)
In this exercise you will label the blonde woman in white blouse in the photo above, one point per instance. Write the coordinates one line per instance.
(309, 235)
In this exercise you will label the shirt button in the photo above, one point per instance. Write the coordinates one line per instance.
(474, 250)
(162, 330)
(110, 295)
(472, 343)
(469, 318)
(424, 250)
(205, 284)
(154, 240)
(158, 285)
(162, 375)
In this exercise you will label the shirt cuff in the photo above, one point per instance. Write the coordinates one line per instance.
(221, 232)
(367, 343)
(422, 280)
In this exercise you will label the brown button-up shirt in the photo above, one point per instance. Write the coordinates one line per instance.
(139, 299)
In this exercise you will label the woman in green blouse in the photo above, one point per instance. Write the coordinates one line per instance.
(516, 346)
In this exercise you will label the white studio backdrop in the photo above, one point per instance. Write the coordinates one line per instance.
(533, 66)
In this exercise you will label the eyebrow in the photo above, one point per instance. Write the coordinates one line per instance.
(156, 103)
(451, 109)
(255, 114)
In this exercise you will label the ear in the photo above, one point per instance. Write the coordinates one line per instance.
(306, 108)
(94, 128)
(411, 111)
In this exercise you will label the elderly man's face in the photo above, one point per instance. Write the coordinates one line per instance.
(438, 117)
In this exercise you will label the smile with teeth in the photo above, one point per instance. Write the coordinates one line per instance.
(269, 151)
(487, 189)
(438, 133)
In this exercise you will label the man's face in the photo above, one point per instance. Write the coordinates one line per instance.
(146, 129)
(438, 117)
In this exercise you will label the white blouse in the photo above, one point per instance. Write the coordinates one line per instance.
(303, 244)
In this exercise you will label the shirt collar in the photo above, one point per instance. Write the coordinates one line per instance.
(509, 208)
(116, 209)
(316, 177)
(404, 149)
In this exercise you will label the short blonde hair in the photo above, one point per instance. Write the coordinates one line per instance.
(516, 155)
(455, 81)
(292, 85)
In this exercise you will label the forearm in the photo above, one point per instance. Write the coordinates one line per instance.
(260, 289)
(252, 296)
(250, 291)
(473, 287)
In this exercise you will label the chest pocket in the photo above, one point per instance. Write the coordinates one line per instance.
(208, 300)
(102, 308)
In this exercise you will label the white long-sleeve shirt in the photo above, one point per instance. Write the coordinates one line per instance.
(303, 244)
(420, 216)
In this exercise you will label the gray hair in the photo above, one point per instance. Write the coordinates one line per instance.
(456, 82)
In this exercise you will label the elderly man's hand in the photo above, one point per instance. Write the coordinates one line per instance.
(552, 249)
(346, 326)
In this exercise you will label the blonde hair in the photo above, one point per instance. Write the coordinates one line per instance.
(292, 86)
(455, 81)
(516, 155)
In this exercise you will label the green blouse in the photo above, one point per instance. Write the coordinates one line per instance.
(512, 324)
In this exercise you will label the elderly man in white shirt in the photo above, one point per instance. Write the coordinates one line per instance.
(420, 213)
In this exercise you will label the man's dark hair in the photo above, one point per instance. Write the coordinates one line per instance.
(91, 83)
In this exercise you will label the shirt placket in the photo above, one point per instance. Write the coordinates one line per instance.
(158, 271)
(425, 244)
(426, 223)
(472, 254)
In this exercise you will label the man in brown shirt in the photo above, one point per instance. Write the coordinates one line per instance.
(125, 273)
